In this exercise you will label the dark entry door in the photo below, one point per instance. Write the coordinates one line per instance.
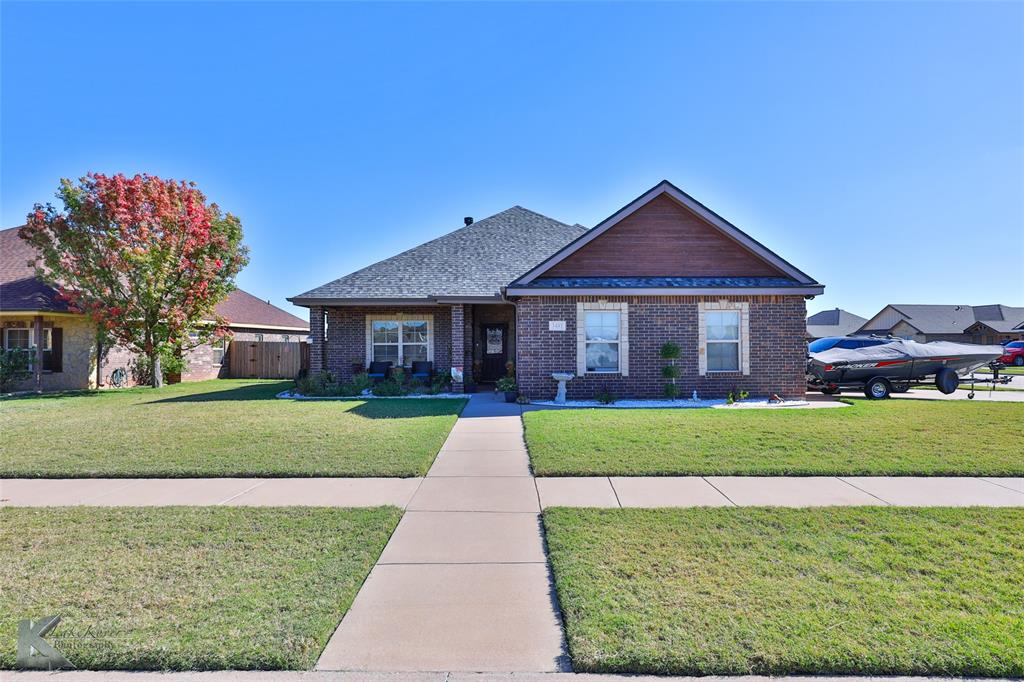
(495, 351)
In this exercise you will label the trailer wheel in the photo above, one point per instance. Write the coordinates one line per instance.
(878, 388)
(1019, 361)
(946, 380)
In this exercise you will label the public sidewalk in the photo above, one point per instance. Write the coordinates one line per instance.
(470, 480)
(337, 676)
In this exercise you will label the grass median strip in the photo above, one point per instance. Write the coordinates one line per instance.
(219, 428)
(891, 437)
(846, 591)
(186, 588)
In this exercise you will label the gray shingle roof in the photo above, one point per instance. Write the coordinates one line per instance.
(659, 282)
(835, 322)
(474, 261)
(954, 319)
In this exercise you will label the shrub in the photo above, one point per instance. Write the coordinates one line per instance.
(440, 383)
(506, 385)
(670, 351)
(736, 394)
(315, 384)
(522, 399)
(388, 389)
(605, 397)
(361, 382)
(171, 362)
(13, 367)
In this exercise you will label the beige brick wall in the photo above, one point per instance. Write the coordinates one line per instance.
(79, 353)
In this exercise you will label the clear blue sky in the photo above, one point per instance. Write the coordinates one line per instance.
(878, 146)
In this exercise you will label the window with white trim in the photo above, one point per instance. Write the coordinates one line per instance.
(723, 340)
(24, 338)
(602, 340)
(399, 341)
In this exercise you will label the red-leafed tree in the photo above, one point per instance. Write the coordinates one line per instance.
(147, 259)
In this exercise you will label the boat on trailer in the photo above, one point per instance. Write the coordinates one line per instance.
(896, 366)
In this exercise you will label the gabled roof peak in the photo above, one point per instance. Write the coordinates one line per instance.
(666, 188)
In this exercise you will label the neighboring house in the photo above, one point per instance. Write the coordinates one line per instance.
(987, 324)
(835, 322)
(29, 309)
(598, 303)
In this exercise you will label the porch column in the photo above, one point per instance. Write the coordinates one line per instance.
(458, 351)
(38, 332)
(317, 342)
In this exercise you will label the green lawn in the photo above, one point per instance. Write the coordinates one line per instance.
(181, 588)
(219, 428)
(891, 437)
(845, 591)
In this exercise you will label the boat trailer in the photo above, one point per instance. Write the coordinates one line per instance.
(995, 379)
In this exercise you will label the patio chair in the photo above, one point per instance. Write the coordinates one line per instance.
(379, 371)
(422, 370)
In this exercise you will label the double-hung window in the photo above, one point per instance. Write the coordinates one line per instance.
(23, 338)
(602, 340)
(723, 340)
(399, 341)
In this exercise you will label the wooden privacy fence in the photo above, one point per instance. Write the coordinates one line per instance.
(267, 359)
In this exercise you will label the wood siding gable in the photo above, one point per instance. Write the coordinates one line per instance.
(663, 239)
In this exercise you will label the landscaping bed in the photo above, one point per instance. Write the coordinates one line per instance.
(218, 428)
(892, 437)
(181, 588)
(829, 591)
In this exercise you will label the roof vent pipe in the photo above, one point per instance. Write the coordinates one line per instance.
(468, 220)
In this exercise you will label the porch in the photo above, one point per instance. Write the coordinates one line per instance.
(476, 339)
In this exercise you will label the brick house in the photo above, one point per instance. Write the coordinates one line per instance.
(29, 310)
(599, 303)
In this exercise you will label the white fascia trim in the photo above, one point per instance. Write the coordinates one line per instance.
(666, 187)
(669, 291)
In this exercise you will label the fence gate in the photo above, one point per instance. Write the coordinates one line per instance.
(267, 359)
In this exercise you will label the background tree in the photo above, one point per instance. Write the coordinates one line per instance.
(147, 259)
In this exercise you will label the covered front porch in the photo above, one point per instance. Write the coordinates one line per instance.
(477, 339)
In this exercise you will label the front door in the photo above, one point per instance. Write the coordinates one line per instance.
(495, 353)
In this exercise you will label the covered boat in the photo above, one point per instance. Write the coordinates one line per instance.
(894, 366)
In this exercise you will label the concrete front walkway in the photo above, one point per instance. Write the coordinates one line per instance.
(463, 584)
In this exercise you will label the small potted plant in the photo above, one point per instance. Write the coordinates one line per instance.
(507, 385)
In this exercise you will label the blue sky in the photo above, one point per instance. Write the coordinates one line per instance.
(878, 146)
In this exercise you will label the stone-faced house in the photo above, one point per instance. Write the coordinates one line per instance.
(29, 309)
(600, 303)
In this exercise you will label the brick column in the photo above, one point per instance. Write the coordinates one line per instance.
(317, 344)
(458, 354)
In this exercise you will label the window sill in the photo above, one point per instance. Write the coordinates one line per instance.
(600, 372)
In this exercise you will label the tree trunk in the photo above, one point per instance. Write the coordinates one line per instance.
(158, 372)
